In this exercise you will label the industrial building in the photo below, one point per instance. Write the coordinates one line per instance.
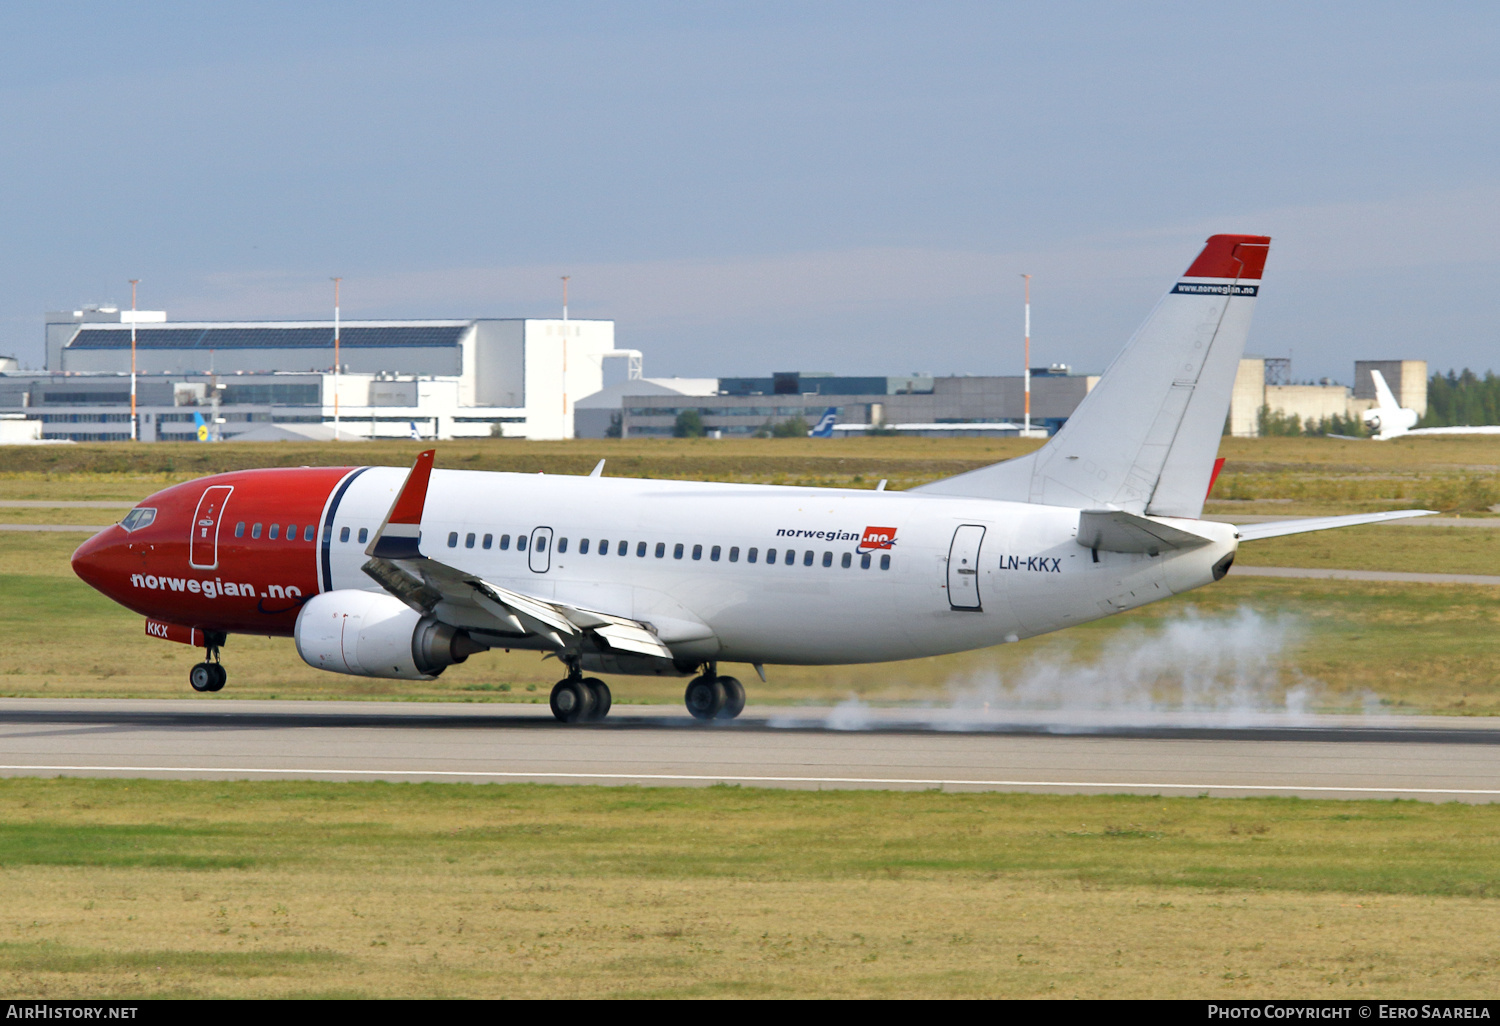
(1264, 383)
(436, 378)
(745, 406)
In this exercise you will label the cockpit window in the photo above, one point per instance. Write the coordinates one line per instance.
(137, 519)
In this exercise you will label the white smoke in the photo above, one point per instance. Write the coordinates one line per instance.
(1192, 670)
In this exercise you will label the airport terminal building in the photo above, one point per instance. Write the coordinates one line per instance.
(433, 378)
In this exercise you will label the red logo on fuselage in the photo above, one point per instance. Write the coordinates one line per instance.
(877, 538)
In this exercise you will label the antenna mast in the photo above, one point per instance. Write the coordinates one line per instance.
(1026, 430)
(134, 430)
(336, 282)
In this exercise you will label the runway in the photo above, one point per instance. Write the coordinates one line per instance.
(1425, 758)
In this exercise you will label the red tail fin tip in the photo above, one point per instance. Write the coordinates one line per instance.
(1231, 256)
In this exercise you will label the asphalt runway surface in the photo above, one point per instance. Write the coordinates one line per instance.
(1219, 754)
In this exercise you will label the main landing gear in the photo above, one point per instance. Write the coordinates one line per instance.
(711, 697)
(580, 699)
(209, 675)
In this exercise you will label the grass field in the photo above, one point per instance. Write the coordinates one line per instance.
(145, 888)
(1262, 475)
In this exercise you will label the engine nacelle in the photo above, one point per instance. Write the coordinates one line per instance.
(370, 634)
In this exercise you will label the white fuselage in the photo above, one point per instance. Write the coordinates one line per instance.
(1030, 575)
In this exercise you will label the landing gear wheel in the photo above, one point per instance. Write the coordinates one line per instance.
(704, 697)
(602, 698)
(734, 698)
(203, 678)
(221, 676)
(572, 701)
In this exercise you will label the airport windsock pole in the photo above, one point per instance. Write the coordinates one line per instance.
(336, 358)
(1026, 432)
(134, 431)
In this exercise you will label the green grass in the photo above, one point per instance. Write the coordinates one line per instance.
(433, 890)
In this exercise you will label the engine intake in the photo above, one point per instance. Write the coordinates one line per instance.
(370, 634)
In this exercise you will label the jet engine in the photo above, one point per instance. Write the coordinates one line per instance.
(1384, 420)
(371, 634)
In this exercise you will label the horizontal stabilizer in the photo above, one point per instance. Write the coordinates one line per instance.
(1113, 530)
(1277, 528)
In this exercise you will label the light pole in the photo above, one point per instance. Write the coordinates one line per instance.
(134, 430)
(336, 282)
(1026, 430)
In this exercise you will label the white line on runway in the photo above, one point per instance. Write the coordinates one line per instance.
(762, 780)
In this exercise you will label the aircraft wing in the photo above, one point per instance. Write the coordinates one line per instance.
(465, 600)
(1277, 528)
(1477, 429)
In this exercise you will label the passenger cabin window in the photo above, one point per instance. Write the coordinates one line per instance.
(520, 543)
(791, 556)
(807, 558)
(469, 540)
(640, 549)
(749, 556)
(677, 551)
(309, 531)
(562, 546)
(541, 544)
(271, 534)
(489, 540)
(847, 560)
(770, 556)
(698, 552)
(624, 548)
(661, 549)
(713, 553)
(504, 542)
(864, 561)
(885, 562)
(291, 532)
(239, 530)
(583, 546)
(364, 535)
(255, 531)
(828, 559)
(343, 534)
(453, 539)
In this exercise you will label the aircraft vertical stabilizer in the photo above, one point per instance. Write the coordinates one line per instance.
(1144, 439)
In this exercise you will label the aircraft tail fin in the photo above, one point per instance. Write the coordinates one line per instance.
(824, 427)
(1384, 397)
(1144, 439)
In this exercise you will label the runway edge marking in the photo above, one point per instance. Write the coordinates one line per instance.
(517, 774)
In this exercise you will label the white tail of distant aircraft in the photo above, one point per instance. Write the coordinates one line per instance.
(1388, 419)
(384, 572)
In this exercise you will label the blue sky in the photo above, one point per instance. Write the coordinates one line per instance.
(756, 187)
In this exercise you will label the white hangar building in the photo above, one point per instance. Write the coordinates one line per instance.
(447, 378)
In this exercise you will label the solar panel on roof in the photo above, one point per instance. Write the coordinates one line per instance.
(393, 336)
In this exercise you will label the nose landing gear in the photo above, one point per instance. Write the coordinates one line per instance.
(209, 675)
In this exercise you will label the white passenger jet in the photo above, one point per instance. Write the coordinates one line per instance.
(381, 572)
(1388, 419)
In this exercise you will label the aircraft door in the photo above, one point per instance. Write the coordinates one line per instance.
(203, 543)
(540, 554)
(963, 567)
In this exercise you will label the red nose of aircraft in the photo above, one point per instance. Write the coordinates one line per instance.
(93, 557)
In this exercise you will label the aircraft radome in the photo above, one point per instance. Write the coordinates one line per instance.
(385, 572)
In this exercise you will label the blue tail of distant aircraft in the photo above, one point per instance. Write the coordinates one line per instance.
(415, 435)
(824, 427)
(202, 427)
